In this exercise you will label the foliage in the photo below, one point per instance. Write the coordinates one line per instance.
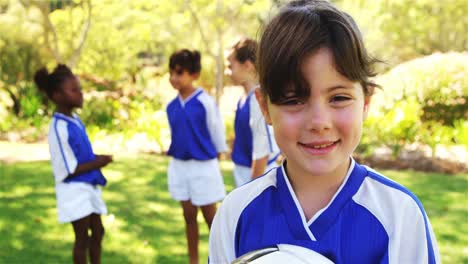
(395, 128)
(422, 101)
(438, 82)
(145, 225)
(122, 60)
(150, 31)
(401, 30)
(433, 133)
(153, 124)
(21, 55)
(461, 132)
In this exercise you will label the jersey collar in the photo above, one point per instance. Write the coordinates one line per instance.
(194, 94)
(74, 119)
(317, 226)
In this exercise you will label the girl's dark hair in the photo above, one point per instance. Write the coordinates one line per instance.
(301, 28)
(245, 49)
(49, 83)
(186, 60)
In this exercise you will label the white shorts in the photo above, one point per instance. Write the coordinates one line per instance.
(199, 181)
(76, 200)
(243, 174)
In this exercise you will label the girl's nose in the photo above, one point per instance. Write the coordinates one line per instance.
(318, 117)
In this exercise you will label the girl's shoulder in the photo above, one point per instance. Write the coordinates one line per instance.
(379, 192)
(71, 123)
(205, 98)
(242, 196)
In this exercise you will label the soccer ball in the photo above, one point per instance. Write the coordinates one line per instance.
(282, 253)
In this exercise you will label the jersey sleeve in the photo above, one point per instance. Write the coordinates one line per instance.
(221, 242)
(401, 214)
(62, 150)
(261, 133)
(415, 240)
(215, 124)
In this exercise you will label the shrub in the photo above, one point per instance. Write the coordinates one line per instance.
(423, 101)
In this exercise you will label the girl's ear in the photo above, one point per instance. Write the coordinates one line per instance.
(250, 66)
(263, 105)
(367, 100)
(56, 96)
(195, 76)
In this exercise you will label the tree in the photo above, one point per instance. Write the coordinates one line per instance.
(74, 44)
(401, 30)
(220, 22)
(20, 50)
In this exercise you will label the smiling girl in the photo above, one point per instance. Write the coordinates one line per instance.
(315, 91)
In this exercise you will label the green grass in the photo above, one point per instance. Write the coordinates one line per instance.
(145, 225)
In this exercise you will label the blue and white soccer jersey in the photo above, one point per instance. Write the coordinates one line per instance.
(69, 146)
(197, 136)
(253, 139)
(371, 219)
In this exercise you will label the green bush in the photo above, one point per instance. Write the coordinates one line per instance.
(461, 132)
(149, 118)
(394, 128)
(422, 101)
(438, 82)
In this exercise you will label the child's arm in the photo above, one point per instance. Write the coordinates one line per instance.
(416, 242)
(262, 140)
(221, 240)
(259, 166)
(99, 162)
(215, 124)
(401, 214)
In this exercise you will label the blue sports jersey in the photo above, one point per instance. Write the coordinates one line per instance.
(197, 131)
(243, 146)
(70, 146)
(371, 219)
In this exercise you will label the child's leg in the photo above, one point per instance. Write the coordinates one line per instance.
(209, 212)
(97, 233)
(80, 227)
(191, 229)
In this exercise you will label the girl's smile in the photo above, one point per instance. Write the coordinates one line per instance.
(319, 147)
(319, 133)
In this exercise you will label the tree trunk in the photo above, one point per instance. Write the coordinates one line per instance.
(16, 102)
(219, 54)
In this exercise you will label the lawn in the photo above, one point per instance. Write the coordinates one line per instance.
(145, 225)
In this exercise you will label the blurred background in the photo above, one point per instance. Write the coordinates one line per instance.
(120, 50)
(417, 127)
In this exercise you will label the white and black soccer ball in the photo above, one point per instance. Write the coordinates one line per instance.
(282, 253)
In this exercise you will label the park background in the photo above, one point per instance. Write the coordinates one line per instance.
(417, 131)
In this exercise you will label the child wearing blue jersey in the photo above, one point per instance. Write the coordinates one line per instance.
(254, 149)
(75, 166)
(314, 75)
(197, 137)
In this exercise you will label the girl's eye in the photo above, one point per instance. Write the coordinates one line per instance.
(340, 98)
(292, 101)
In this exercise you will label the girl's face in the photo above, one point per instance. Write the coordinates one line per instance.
(318, 134)
(238, 72)
(182, 79)
(70, 95)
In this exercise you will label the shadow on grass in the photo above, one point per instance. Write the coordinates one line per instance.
(138, 194)
(28, 222)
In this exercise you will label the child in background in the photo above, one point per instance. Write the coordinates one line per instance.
(315, 91)
(254, 150)
(76, 168)
(197, 137)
